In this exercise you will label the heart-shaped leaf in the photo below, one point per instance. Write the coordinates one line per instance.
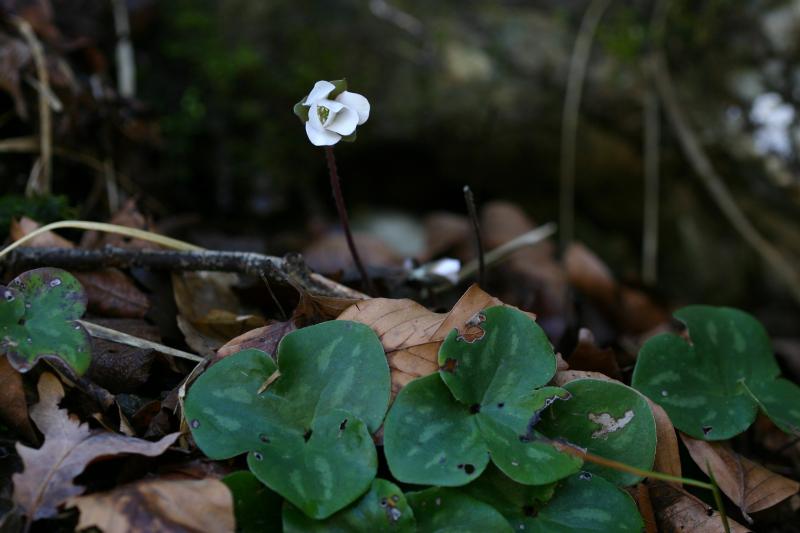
(308, 434)
(607, 419)
(702, 383)
(430, 437)
(440, 510)
(256, 506)
(39, 310)
(383, 509)
(581, 502)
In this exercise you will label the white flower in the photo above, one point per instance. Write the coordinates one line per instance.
(328, 119)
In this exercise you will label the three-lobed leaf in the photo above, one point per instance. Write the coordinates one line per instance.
(710, 384)
(308, 435)
(445, 510)
(39, 310)
(443, 429)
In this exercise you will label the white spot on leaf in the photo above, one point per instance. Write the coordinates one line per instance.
(609, 424)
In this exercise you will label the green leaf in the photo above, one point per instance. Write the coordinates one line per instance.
(442, 510)
(301, 110)
(382, 509)
(39, 310)
(430, 437)
(607, 419)
(780, 401)
(257, 508)
(699, 382)
(308, 435)
(510, 359)
(340, 87)
(579, 503)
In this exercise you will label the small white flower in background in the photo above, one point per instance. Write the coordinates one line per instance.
(331, 113)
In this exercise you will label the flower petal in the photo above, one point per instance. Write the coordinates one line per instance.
(357, 103)
(320, 137)
(320, 91)
(345, 121)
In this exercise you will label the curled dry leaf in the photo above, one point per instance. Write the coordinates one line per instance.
(411, 334)
(25, 225)
(749, 485)
(159, 505)
(265, 338)
(69, 446)
(668, 460)
(677, 510)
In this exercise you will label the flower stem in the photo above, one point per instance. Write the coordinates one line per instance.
(340, 207)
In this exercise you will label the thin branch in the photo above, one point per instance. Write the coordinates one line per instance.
(342, 210)
(469, 198)
(273, 268)
(569, 120)
(715, 185)
(39, 182)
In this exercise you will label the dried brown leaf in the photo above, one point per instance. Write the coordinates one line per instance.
(175, 505)
(47, 479)
(13, 408)
(265, 338)
(588, 356)
(749, 485)
(677, 511)
(48, 239)
(112, 293)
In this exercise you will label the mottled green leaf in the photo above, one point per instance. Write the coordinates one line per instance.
(256, 507)
(39, 310)
(607, 419)
(309, 434)
(699, 381)
(508, 360)
(433, 438)
(517, 502)
(382, 509)
(442, 510)
(780, 401)
(579, 503)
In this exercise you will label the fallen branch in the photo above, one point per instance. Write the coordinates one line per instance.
(275, 269)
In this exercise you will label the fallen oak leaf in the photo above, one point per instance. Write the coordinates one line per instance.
(411, 334)
(749, 485)
(69, 446)
(159, 505)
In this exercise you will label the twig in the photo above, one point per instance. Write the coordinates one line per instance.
(273, 268)
(716, 187)
(39, 183)
(126, 64)
(469, 198)
(652, 140)
(569, 120)
(340, 207)
(102, 332)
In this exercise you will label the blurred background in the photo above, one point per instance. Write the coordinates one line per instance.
(185, 106)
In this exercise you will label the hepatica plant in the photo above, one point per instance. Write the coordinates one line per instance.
(476, 438)
(713, 382)
(39, 310)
